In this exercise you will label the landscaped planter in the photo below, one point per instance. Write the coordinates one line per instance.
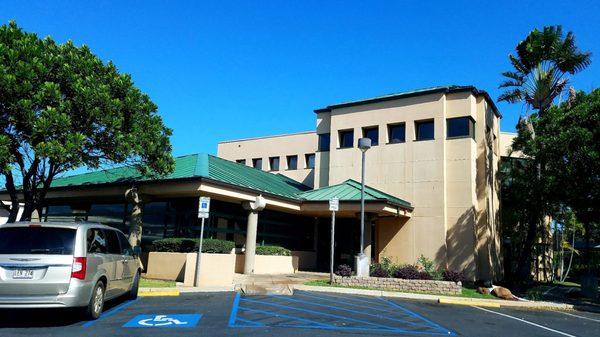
(166, 266)
(384, 283)
(216, 269)
(269, 264)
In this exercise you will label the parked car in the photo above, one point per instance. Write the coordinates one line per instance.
(50, 265)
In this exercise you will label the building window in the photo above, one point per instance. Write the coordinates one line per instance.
(257, 163)
(346, 138)
(292, 162)
(396, 133)
(274, 163)
(424, 130)
(459, 127)
(241, 161)
(310, 160)
(324, 140)
(372, 133)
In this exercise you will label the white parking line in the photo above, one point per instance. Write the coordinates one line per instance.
(527, 322)
(583, 317)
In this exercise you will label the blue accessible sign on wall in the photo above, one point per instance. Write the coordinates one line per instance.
(164, 321)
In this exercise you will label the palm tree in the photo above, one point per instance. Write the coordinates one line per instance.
(544, 60)
(542, 66)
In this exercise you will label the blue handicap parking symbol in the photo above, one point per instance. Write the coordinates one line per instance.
(164, 321)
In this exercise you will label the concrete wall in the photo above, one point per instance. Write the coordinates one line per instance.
(166, 266)
(216, 269)
(269, 264)
(299, 144)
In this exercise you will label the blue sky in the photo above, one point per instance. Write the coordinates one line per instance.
(225, 70)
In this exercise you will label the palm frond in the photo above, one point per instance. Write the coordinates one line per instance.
(511, 96)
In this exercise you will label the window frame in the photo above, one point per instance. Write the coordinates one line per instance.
(320, 143)
(365, 129)
(306, 161)
(343, 132)
(256, 160)
(424, 121)
(389, 129)
(287, 162)
(271, 161)
(471, 127)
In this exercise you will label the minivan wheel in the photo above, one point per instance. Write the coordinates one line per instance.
(96, 304)
(133, 293)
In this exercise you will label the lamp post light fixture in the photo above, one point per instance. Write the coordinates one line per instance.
(362, 264)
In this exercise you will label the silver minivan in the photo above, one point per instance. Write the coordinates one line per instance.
(49, 265)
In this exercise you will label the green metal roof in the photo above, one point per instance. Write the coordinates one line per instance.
(207, 166)
(349, 190)
(200, 165)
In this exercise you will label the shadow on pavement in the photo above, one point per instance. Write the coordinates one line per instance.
(53, 317)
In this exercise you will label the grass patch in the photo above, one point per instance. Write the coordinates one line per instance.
(150, 283)
(466, 292)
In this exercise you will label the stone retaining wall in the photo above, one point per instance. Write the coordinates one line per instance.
(422, 286)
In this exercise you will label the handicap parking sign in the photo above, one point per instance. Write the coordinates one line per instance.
(164, 321)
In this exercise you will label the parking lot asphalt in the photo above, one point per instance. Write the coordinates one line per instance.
(303, 314)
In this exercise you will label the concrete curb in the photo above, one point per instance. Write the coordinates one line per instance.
(440, 299)
(154, 292)
(188, 289)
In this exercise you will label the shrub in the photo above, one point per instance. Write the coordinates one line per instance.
(423, 275)
(216, 246)
(175, 245)
(428, 266)
(273, 250)
(454, 276)
(408, 272)
(344, 270)
(377, 270)
(383, 269)
(187, 245)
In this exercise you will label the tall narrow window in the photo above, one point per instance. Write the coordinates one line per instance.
(424, 130)
(396, 133)
(274, 163)
(257, 163)
(460, 127)
(292, 162)
(324, 140)
(310, 160)
(241, 161)
(372, 133)
(346, 138)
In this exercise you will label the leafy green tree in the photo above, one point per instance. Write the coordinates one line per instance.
(62, 108)
(569, 147)
(542, 65)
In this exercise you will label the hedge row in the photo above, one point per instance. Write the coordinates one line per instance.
(272, 250)
(187, 245)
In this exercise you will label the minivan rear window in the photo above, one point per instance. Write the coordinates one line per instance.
(37, 240)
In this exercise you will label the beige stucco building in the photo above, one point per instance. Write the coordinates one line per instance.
(438, 148)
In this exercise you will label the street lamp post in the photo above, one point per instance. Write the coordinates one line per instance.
(362, 264)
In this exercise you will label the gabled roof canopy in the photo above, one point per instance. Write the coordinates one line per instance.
(203, 166)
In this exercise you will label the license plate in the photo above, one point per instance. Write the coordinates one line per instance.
(23, 274)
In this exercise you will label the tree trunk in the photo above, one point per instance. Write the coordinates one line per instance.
(14, 199)
(524, 264)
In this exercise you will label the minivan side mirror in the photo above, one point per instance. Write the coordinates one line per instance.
(137, 250)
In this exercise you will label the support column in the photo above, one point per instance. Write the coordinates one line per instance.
(250, 252)
(251, 230)
(368, 244)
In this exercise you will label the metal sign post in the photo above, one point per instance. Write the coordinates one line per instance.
(334, 205)
(203, 213)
